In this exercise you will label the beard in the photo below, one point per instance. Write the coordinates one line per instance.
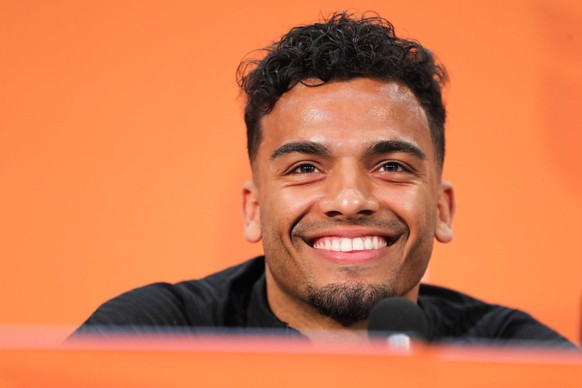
(347, 303)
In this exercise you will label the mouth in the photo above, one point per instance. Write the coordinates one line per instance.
(346, 244)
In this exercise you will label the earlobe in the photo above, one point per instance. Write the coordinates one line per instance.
(251, 212)
(445, 212)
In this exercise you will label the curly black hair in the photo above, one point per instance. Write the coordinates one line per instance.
(341, 48)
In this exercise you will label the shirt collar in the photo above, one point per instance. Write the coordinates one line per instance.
(259, 314)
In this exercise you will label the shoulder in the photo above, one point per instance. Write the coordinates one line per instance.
(154, 304)
(164, 306)
(459, 317)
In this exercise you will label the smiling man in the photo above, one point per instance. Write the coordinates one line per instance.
(345, 128)
(346, 198)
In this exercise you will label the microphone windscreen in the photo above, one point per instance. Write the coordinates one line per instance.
(398, 315)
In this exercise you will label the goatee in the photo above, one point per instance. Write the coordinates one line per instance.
(347, 303)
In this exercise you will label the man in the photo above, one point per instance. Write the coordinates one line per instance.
(345, 130)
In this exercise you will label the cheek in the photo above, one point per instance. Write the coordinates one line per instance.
(283, 206)
(414, 205)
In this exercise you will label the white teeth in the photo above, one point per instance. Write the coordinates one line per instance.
(348, 245)
(368, 243)
(358, 244)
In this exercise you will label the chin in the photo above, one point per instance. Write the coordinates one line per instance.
(347, 302)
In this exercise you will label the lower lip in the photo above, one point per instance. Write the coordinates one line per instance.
(353, 257)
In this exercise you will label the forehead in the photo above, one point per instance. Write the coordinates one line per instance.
(345, 114)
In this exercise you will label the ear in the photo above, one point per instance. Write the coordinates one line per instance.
(251, 212)
(445, 212)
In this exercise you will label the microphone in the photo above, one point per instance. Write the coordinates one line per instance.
(399, 321)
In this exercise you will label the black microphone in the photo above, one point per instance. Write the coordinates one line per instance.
(398, 320)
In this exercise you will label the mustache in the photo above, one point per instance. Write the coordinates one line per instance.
(394, 225)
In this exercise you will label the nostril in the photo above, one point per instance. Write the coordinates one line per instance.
(333, 213)
(349, 202)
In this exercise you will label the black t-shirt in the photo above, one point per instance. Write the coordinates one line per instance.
(236, 299)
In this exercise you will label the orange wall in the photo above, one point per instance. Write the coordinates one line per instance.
(122, 146)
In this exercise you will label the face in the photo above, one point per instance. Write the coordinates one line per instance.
(347, 200)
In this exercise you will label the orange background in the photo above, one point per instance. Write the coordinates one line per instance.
(122, 146)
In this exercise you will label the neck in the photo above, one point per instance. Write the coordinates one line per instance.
(300, 315)
(310, 322)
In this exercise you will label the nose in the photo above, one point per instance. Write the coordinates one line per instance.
(348, 194)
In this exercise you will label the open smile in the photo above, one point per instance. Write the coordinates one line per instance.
(346, 244)
(343, 249)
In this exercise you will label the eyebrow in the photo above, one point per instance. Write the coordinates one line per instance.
(379, 147)
(390, 146)
(303, 147)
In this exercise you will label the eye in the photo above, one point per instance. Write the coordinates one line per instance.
(304, 168)
(392, 167)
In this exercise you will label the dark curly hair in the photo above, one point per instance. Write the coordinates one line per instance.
(339, 49)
